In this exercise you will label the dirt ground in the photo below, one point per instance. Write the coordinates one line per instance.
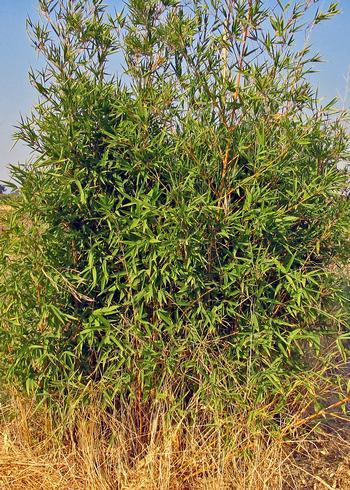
(325, 464)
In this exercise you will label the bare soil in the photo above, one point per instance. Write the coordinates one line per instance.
(325, 464)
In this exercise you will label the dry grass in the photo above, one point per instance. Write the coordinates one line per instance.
(101, 451)
(4, 211)
(105, 453)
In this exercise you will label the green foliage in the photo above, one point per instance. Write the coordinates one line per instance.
(173, 232)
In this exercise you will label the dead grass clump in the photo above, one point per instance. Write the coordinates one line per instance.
(255, 448)
(104, 452)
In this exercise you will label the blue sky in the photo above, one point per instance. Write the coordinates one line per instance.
(332, 39)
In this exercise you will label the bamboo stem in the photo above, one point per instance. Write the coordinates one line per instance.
(320, 413)
(224, 56)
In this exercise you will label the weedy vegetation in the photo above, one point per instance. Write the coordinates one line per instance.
(166, 285)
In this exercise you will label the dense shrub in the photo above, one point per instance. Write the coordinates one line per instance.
(174, 229)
